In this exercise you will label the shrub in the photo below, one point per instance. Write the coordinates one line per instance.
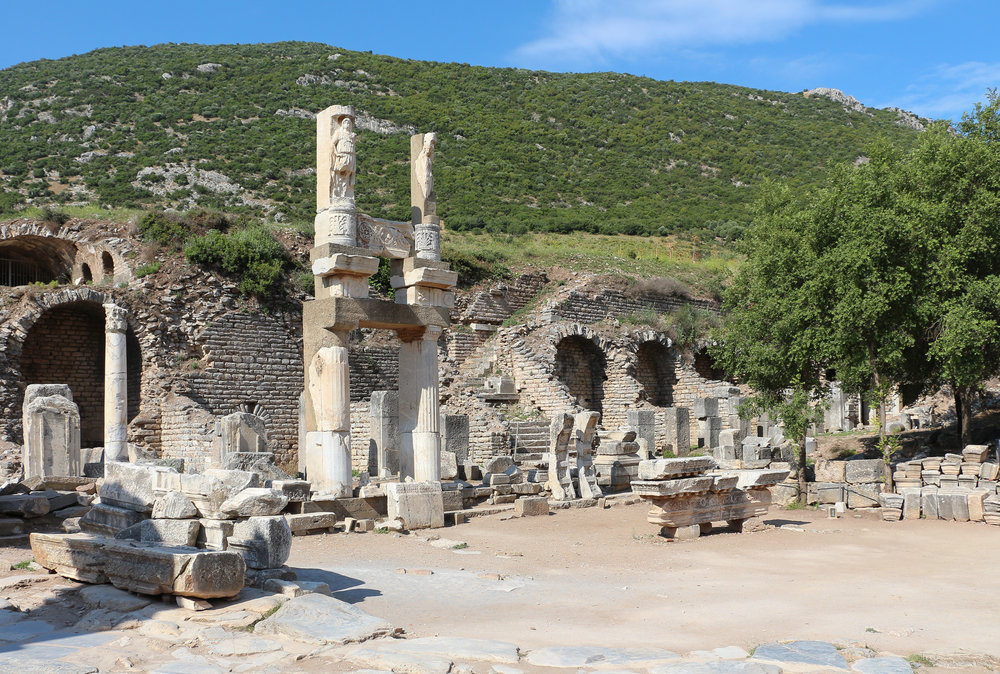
(147, 269)
(162, 228)
(253, 254)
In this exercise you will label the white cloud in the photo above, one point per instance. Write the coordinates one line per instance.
(593, 30)
(949, 90)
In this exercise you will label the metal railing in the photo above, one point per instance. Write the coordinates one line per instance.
(19, 273)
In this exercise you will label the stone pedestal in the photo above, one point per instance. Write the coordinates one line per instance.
(51, 432)
(385, 431)
(678, 422)
(115, 385)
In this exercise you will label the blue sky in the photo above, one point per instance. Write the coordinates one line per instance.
(933, 57)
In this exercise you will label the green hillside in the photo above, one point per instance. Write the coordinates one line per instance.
(228, 127)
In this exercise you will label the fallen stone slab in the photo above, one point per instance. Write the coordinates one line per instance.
(108, 520)
(688, 485)
(210, 489)
(884, 665)
(254, 502)
(167, 532)
(41, 665)
(297, 491)
(24, 505)
(804, 652)
(419, 505)
(174, 506)
(596, 657)
(12, 526)
(443, 648)
(306, 522)
(531, 506)
(75, 556)
(249, 645)
(663, 469)
(758, 478)
(153, 569)
(317, 618)
(717, 667)
(130, 485)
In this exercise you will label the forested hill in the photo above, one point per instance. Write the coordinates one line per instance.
(230, 126)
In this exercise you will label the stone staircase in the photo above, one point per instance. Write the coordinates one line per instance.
(531, 442)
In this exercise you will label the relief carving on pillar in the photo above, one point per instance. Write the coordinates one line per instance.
(385, 238)
(115, 318)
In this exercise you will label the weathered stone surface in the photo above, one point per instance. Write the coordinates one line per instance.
(888, 500)
(297, 491)
(214, 534)
(111, 598)
(865, 471)
(678, 423)
(531, 506)
(687, 485)
(154, 569)
(884, 665)
(757, 478)
(210, 489)
(498, 464)
(589, 656)
(678, 511)
(310, 522)
(863, 495)
(317, 618)
(167, 532)
(76, 556)
(706, 407)
(911, 504)
(831, 471)
(975, 453)
(254, 502)
(717, 667)
(929, 503)
(24, 505)
(108, 520)
(662, 469)
(174, 506)
(418, 504)
(449, 465)
(802, 652)
(264, 542)
(393, 653)
(129, 485)
(51, 436)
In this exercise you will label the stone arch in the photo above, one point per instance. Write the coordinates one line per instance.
(28, 258)
(107, 264)
(61, 340)
(704, 365)
(88, 276)
(655, 372)
(581, 365)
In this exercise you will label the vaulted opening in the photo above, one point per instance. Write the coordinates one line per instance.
(654, 370)
(581, 365)
(35, 259)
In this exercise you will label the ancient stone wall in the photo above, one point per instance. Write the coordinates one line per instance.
(495, 305)
(584, 307)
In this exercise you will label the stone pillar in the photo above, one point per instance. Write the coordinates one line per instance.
(423, 199)
(385, 431)
(678, 421)
(115, 385)
(328, 452)
(51, 432)
(419, 407)
(644, 423)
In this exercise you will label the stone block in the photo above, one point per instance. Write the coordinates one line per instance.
(108, 520)
(75, 556)
(449, 465)
(167, 532)
(239, 432)
(911, 504)
(976, 506)
(385, 437)
(297, 491)
(214, 534)
(452, 500)
(678, 426)
(826, 492)
(891, 514)
(51, 436)
(709, 430)
(24, 505)
(498, 464)
(890, 500)
(785, 493)
(254, 502)
(988, 471)
(865, 471)
(726, 450)
(863, 495)
(153, 569)
(530, 506)
(643, 422)
(130, 485)
(929, 503)
(663, 469)
(262, 464)
(706, 407)
(975, 453)
(174, 506)
(494, 479)
(455, 436)
(264, 542)
(418, 504)
(831, 471)
(470, 471)
(306, 522)
(210, 489)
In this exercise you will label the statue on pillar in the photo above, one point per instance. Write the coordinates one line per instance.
(423, 200)
(344, 159)
(336, 168)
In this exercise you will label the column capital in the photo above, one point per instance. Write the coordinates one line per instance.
(115, 318)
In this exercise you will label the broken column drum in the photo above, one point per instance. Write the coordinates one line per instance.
(348, 245)
(115, 385)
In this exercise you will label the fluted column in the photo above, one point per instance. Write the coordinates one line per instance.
(419, 408)
(328, 454)
(115, 384)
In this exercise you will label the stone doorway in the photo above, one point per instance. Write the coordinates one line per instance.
(654, 370)
(581, 365)
(66, 346)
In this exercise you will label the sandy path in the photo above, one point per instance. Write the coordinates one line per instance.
(599, 577)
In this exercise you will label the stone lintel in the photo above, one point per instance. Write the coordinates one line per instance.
(341, 313)
(330, 249)
(408, 264)
(348, 265)
(427, 277)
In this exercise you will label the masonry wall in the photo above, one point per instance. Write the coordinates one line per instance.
(586, 308)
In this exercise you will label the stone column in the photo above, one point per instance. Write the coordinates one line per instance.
(336, 164)
(419, 407)
(423, 199)
(328, 451)
(115, 385)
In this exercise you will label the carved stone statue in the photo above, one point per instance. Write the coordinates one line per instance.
(344, 160)
(424, 166)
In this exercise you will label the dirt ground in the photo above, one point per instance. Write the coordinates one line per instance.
(601, 577)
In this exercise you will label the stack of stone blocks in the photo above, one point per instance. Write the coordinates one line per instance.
(686, 498)
(960, 487)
